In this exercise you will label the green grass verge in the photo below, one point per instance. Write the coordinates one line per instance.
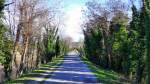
(105, 76)
(39, 75)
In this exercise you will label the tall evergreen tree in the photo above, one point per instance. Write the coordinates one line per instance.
(138, 44)
(146, 15)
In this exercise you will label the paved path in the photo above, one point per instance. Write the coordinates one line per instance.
(72, 71)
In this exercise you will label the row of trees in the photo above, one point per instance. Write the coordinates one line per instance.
(113, 40)
(28, 36)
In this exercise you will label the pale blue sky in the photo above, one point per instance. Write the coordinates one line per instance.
(74, 2)
(73, 18)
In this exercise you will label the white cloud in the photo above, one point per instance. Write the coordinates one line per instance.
(73, 22)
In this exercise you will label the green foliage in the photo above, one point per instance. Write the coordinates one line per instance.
(129, 44)
(121, 50)
(1, 7)
(51, 39)
(57, 46)
(125, 43)
(53, 46)
(110, 49)
(146, 17)
(93, 46)
(5, 44)
(2, 43)
(137, 36)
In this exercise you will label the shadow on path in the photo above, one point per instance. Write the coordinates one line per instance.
(72, 71)
(38, 75)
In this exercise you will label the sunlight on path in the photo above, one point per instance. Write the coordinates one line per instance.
(72, 71)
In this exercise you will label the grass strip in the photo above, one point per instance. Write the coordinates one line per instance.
(105, 76)
(39, 75)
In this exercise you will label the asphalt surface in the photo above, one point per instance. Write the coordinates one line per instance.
(72, 71)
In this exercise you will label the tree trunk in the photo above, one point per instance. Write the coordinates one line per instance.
(23, 59)
(108, 48)
(14, 66)
(139, 72)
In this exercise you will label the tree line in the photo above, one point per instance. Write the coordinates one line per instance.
(28, 36)
(117, 41)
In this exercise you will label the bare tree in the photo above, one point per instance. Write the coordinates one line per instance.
(30, 17)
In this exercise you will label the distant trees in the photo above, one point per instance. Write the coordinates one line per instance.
(114, 42)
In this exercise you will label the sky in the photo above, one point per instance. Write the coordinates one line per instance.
(73, 18)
